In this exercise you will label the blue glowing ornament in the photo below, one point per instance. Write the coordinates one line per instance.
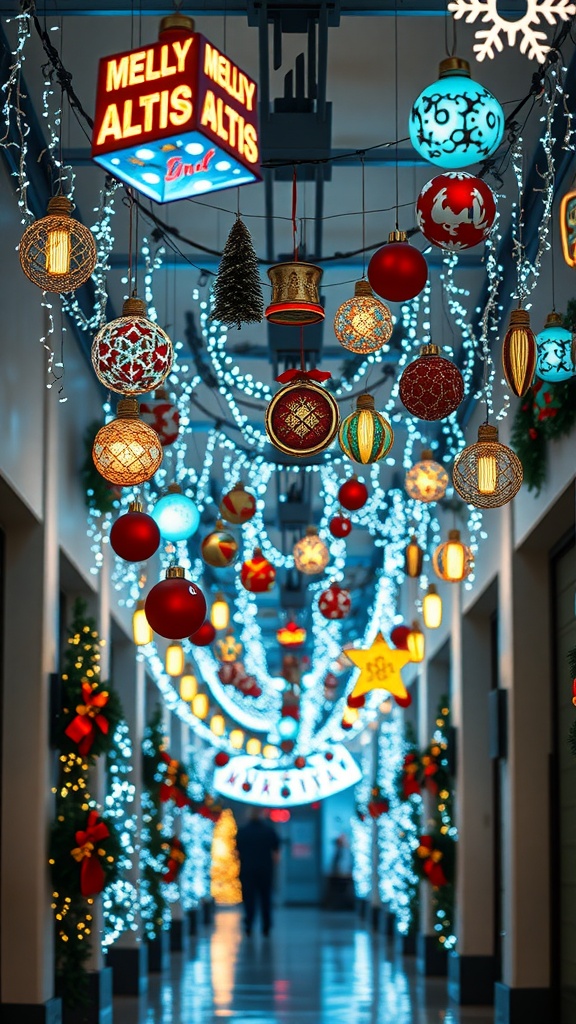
(555, 351)
(456, 121)
(287, 728)
(176, 515)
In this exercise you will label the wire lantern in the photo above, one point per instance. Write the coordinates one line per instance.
(487, 474)
(126, 451)
(57, 252)
(363, 324)
(453, 560)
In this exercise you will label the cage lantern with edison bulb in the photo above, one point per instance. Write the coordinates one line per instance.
(57, 252)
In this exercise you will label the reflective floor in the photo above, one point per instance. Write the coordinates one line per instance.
(315, 968)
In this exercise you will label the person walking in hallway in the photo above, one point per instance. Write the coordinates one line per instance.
(258, 846)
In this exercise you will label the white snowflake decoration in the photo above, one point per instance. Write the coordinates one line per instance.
(532, 42)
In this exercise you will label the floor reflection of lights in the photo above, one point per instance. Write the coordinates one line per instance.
(316, 968)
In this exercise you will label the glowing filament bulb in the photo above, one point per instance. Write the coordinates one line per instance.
(487, 474)
(58, 251)
(455, 554)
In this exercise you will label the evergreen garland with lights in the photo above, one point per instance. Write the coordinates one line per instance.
(85, 848)
(237, 289)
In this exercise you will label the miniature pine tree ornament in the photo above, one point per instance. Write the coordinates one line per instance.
(237, 290)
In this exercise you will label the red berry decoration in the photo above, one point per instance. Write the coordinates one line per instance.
(356, 702)
(335, 602)
(404, 702)
(204, 636)
(340, 526)
(353, 494)
(160, 414)
(285, 792)
(456, 210)
(399, 637)
(246, 787)
(329, 755)
(221, 759)
(175, 607)
(238, 506)
(431, 387)
(300, 762)
(135, 536)
(287, 746)
(397, 271)
(257, 574)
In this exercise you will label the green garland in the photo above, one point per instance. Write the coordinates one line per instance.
(436, 778)
(82, 841)
(546, 413)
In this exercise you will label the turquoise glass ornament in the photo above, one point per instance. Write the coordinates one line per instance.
(555, 351)
(455, 121)
(176, 515)
(287, 728)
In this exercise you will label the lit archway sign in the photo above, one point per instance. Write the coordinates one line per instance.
(568, 227)
(176, 119)
(272, 786)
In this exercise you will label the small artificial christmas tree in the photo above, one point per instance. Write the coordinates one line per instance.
(238, 290)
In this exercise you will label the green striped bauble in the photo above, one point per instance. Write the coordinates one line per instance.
(365, 436)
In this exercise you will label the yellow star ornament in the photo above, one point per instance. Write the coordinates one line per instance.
(379, 668)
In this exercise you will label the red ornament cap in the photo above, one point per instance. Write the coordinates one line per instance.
(397, 271)
(353, 494)
(135, 536)
(431, 387)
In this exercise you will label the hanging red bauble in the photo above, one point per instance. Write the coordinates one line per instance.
(175, 607)
(257, 574)
(221, 759)
(431, 387)
(340, 526)
(397, 271)
(356, 702)
(404, 702)
(335, 602)
(399, 637)
(329, 755)
(303, 418)
(135, 536)
(238, 505)
(300, 762)
(160, 414)
(456, 210)
(287, 746)
(353, 494)
(204, 636)
(246, 787)
(219, 548)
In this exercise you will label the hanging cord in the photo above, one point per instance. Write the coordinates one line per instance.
(302, 352)
(450, 51)
(363, 219)
(130, 202)
(136, 245)
(396, 103)
(294, 208)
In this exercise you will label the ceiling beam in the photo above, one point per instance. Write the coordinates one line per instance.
(223, 8)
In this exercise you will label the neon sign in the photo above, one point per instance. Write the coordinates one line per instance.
(177, 118)
(568, 227)
(251, 781)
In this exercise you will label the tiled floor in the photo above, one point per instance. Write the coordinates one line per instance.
(316, 968)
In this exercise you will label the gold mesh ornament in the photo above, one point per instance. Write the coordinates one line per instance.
(57, 252)
(487, 474)
(127, 451)
(310, 553)
(363, 324)
(426, 480)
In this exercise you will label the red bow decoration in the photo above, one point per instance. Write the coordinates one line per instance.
(176, 858)
(208, 809)
(410, 784)
(92, 878)
(175, 781)
(318, 375)
(378, 804)
(432, 857)
(82, 729)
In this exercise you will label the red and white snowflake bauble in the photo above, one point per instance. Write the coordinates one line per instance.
(160, 414)
(456, 210)
(132, 355)
(257, 574)
(335, 602)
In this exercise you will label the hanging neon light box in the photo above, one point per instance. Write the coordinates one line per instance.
(176, 119)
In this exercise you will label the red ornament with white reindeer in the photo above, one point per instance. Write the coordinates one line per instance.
(456, 210)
